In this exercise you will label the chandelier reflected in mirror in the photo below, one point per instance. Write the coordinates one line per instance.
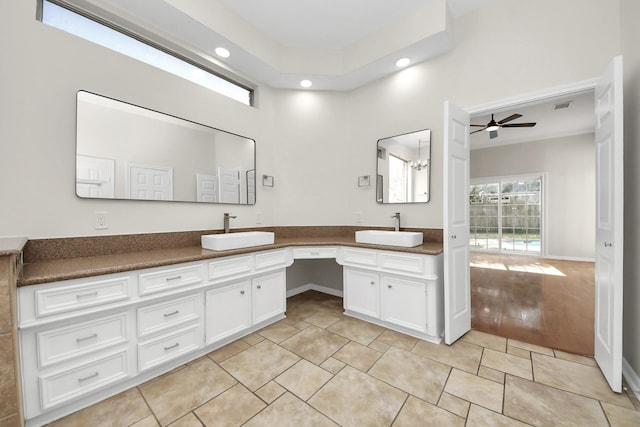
(419, 164)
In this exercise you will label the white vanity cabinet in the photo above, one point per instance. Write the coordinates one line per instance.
(399, 290)
(84, 340)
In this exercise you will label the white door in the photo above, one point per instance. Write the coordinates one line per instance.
(251, 187)
(609, 224)
(268, 296)
(404, 303)
(206, 188)
(149, 182)
(361, 292)
(228, 311)
(229, 185)
(95, 177)
(457, 285)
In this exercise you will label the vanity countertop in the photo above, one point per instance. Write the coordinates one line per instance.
(11, 245)
(45, 271)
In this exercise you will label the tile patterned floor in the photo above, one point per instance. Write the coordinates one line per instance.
(320, 368)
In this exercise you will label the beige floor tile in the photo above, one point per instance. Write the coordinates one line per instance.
(531, 347)
(253, 339)
(507, 363)
(125, 408)
(476, 390)
(379, 346)
(303, 379)
(491, 374)
(149, 421)
(621, 417)
(356, 330)
(289, 411)
(482, 417)
(462, 355)
(270, 391)
(332, 365)
(585, 360)
(321, 320)
(223, 353)
(260, 364)
(454, 404)
(520, 352)
(485, 340)
(314, 344)
(232, 408)
(416, 411)
(172, 396)
(278, 332)
(414, 374)
(396, 339)
(353, 398)
(577, 378)
(302, 325)
(189, 420)
(540, 405)
(358, 356)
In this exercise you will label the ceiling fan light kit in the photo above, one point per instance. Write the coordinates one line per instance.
(493, 126)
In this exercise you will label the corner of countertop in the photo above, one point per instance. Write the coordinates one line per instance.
(12, 245)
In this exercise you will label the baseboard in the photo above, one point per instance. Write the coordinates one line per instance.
(632, 377)
(314, 287)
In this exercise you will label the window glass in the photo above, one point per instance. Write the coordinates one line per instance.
(398, 187)
(71, 22)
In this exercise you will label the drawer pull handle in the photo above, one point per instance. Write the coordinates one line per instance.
(315, 253)
(87, 338)
(172, 346)
(87, 295)
(173, 313)
(173, 278)
(83, 379)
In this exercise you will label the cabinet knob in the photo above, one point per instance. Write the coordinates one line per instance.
(241, 292)
(389, 286)
(259, 286)
(373, 283)
(453, 236)
(608, 244)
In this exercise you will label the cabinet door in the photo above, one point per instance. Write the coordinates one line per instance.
(362, 292)
(268, 296)
(228, 310)
(404, 303)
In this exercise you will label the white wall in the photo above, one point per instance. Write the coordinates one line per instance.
(569, 164)
(630, 36)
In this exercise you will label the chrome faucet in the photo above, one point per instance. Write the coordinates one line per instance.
(227, 217)
(397, 217)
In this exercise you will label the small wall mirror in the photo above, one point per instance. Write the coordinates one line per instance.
(124, 151)
(403, 168)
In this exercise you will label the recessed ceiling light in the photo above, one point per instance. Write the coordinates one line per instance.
(403, 62)
(306, 83)
(222, 52)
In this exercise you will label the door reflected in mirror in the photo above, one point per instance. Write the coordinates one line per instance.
(124, 151)
(403, 168)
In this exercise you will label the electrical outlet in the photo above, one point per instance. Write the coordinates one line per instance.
(258, 218)
(358, 217)
(101, 221)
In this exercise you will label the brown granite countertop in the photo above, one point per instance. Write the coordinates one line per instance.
(45, 271)
(12, 245)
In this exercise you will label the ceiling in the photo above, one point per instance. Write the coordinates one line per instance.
(578, 118)
(337, 44)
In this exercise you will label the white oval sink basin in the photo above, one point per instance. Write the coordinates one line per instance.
(406, 239)
(245, 239)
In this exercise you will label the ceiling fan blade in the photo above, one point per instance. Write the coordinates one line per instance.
(493, 134)
(508, 119)
(483, 126)
(479, 130)
(519, 125)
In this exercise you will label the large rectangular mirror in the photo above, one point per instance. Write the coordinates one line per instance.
(403, 168)
(124, 151)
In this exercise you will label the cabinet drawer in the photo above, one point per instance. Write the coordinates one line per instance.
(170, 278)
(360, 257)
(68, 385)
(170, 346)
(228, 267)
(65, 298)
(60, 344)
(403, 262)
(165, 315)
(271, 259)
(314, 252)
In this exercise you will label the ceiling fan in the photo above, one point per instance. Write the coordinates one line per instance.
(493, 126)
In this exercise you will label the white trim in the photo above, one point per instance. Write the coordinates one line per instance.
(632, 378)
(314, 287)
